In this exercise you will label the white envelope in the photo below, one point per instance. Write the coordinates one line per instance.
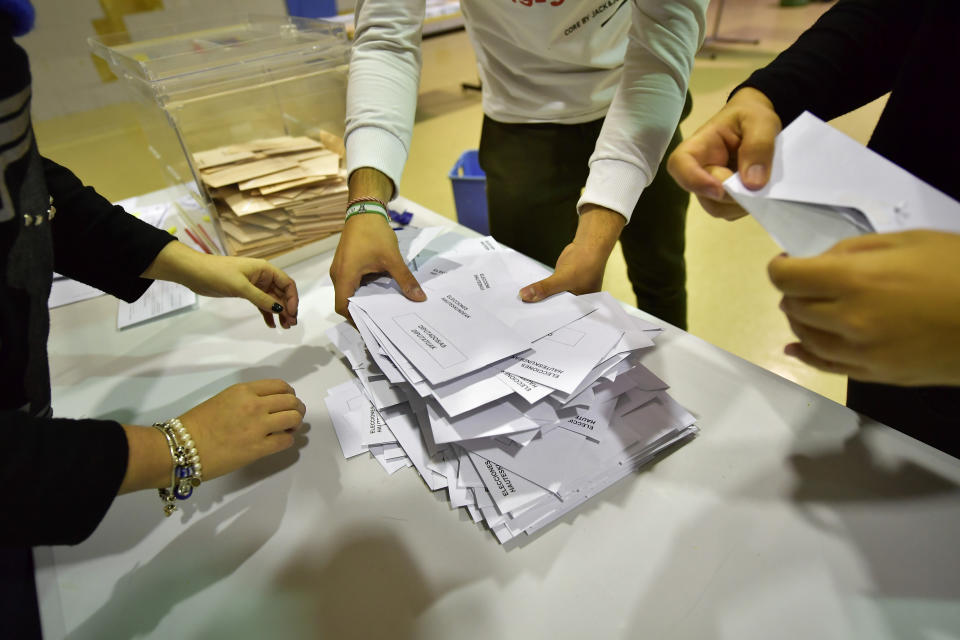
(825, 186)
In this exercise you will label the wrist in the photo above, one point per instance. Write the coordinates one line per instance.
(750, 97)
(148, 459)
(599, 228)
(174, 262)
(367, 182)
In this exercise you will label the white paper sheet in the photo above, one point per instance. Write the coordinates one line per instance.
(160, 299)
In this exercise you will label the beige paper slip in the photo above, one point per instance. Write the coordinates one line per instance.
(246, 171)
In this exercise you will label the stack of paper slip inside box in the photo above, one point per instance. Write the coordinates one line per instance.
(521, 412)
(274, 194)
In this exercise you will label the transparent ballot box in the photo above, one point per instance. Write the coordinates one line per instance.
(251, 112)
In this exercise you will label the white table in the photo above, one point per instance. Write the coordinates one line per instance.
(789, 516)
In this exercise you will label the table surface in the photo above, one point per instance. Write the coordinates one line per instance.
(789, 516)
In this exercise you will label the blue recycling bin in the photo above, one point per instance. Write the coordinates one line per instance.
(470, 192)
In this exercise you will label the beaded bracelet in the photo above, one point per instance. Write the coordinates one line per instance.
(187, 472)
(368, 199)
(366, 207)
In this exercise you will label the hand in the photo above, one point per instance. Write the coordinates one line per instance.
(739, 137)
(879, 308)
(244, 423)
(263, 284)
(369, 245)
(581, 264)
(240, 424)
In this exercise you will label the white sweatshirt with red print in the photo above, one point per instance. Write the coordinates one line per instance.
(561, 61)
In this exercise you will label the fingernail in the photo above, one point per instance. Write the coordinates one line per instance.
(529, 294)
(417, 294)
(277, 307)
(756, 174)
(718, 193)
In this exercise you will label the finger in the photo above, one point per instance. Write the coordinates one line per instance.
(545, 288)
(343, 288)
(268, 319)
(826, 345)
(270, 386)
(690, 175)
(796, 350)
(819, 314)
(283, 421)
(866, 242)
(278, 402)
(755, 156)
(724, 210)
(277, 442)
(408, 283)
(820, 277)
(260, 298)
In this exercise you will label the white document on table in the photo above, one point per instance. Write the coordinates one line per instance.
(825, 186)
(563, 359)
(494, 419)
(160, 299)
(473, 390)
(494, 281)
(345, 404)
(445, 336)
(66, 291)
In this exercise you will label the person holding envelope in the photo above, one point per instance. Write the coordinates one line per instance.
(883, 309)
(581, 99)
(61, 475)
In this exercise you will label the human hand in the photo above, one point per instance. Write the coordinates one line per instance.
(581, 264)
(739, 137)
(267, 287)
(243, 423)
(369, 245)
(879, 308)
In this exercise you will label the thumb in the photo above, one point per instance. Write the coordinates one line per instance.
(408, 284)
(260, 299)
(755, 156)
(543, 289)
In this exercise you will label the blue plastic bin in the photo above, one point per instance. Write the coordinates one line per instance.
(470, 192)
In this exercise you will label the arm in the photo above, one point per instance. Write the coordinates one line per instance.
(849, 57)
(87, 224)
(842, 62)
(381, 102)
(64, 474)
(663, 39)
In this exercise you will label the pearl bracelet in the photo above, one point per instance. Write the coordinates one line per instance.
(187, 472)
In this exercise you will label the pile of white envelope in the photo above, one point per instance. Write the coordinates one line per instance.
(521, 412)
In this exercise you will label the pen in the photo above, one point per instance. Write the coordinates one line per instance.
(199, 242)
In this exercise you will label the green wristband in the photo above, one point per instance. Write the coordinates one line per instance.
(366, 207)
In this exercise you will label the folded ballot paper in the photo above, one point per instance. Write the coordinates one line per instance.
(825, 186)
(520, 412)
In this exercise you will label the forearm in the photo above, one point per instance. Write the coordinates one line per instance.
(176, 262)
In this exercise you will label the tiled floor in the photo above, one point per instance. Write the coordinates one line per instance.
(731, 302)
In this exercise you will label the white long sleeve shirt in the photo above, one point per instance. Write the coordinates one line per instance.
(560, 61)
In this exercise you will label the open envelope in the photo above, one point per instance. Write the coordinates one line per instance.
(825, 186)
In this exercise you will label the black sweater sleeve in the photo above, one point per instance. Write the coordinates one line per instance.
(96, 242)
(59, 477)
(849, 57)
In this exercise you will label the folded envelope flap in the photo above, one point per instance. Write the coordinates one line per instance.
(816, 164)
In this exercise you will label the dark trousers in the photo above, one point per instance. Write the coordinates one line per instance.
(535, 173)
